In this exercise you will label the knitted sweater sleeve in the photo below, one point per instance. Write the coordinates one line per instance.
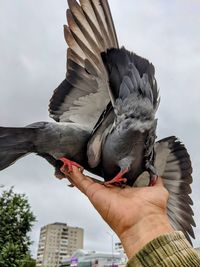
(170, 250)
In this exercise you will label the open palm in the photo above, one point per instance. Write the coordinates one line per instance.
(123, 208)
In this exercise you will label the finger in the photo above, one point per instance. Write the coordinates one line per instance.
(84, 183)
(79, 179)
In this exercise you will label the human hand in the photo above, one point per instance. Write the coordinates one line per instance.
(136, 215)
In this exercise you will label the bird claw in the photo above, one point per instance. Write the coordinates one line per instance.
(67, 166)
(153, 180)
(118, 180)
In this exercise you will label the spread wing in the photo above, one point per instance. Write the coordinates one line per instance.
(174, 166)
(84, 93)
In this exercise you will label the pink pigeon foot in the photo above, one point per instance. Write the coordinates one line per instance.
(153, 180)
(67, 166)
(118, 179)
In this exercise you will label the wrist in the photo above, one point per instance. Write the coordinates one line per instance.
(147, 229)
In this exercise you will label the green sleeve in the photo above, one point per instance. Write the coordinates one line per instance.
(170, 250)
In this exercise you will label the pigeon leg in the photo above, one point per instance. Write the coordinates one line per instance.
(153, 180)
(67, 166)
(152, 171)
(118, 179)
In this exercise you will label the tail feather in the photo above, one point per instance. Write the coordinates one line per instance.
(14, 144)
(174, 166)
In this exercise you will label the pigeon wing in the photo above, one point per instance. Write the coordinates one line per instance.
(85, 93)
(173, 164)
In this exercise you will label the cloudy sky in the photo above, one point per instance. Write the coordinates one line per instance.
(33, 54)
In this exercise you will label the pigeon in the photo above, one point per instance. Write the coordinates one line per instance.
(104, 117)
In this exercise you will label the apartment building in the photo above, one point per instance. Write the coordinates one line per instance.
(57, 242)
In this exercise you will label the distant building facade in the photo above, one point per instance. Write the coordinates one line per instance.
(84, 258)
(119, 249)
(57, 242)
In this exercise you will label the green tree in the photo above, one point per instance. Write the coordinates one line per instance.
(28, 262)
(16, 221)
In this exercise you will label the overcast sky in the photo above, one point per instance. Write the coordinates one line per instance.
(33, 58)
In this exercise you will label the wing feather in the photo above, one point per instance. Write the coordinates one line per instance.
(174, 166)
(128, 73)
(85, 92)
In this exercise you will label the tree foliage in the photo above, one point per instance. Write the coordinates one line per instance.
(16, 221)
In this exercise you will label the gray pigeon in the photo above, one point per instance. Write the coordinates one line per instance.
(105, 117)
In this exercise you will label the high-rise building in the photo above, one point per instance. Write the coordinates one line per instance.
(57, 242)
